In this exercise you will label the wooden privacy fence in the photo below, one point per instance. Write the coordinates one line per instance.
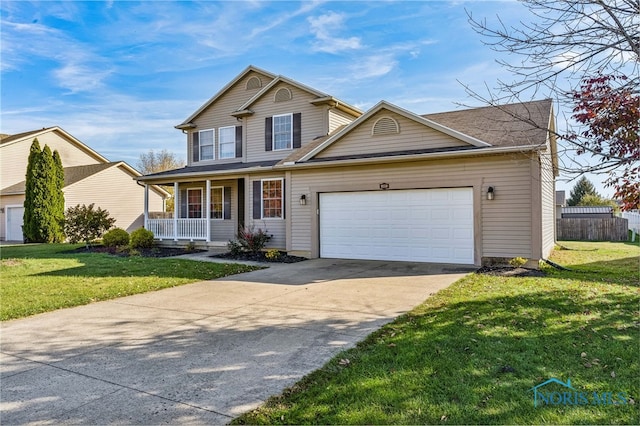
(604, 229)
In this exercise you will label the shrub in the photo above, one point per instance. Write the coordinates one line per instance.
(517, 262)
(234, 247)
(273, 254)
(115, 238)
(141, 238)
(84, 223)
(252, 241)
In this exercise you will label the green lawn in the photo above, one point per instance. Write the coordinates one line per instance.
(471, 353)
(41, 278)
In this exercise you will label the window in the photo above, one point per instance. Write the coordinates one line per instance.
(227, 142)
(194, 203)
(282, 131)
(217, 203)
(206, 138)
(271, 198)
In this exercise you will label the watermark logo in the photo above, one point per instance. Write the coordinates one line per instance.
(568, 395)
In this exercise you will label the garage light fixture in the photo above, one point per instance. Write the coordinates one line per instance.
(303, 200)
(384, 186)
(490, 193)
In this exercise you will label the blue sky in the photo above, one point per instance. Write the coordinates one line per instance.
(119, 75)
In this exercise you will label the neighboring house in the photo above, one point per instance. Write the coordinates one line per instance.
(561, 201)
(327, 180)
(89, 178)
(587, 212)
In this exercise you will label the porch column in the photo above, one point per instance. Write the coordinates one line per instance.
(208, 209)
(176, 209)
(146, 206)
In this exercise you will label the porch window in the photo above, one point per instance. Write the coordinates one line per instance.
(227, 142)
(194, 203)
(217, 203)
(271, 198)
(206, 138)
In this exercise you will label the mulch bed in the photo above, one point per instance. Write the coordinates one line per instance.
(261, 257)
(507, 271)
(152, 252)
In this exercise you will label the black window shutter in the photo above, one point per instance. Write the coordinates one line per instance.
(268, 134)
(195, 146)
(257, 199)
(238, 141)
(227, 202)
(183, 203)
(297, 130)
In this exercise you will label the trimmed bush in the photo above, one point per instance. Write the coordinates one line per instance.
(141, 238)
(116, 237)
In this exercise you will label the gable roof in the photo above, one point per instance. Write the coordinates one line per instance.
(517, 124)
(76, 174)
(186, 124)
(33, 134)
(384, 105)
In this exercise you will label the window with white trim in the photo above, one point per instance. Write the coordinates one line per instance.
(206, 141)
(227, 142)
(194, 203)
(282, 131)
(271, 198)
(217, 202)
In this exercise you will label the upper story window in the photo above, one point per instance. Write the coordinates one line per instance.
(227, 142)
(203, 144)
(282, 131)
(206, 138)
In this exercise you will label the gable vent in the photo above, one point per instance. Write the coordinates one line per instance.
(385, 126)
(282, 95)
(254, 83)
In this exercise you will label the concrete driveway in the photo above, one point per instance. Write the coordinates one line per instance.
(205, 352)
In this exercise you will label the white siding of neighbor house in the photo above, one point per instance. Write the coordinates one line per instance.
(548, 188)
(412, 136)
(219, 115)
(114, 190)
(502, 226)
(14, 156)
(7, 200)
(338, 118)
(222, 230)
(313, 121)
(275, 227)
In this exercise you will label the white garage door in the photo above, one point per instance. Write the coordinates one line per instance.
(14, 223)
(422, 225)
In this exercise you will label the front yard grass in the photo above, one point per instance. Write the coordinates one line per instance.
(472, 353)
(41, 278)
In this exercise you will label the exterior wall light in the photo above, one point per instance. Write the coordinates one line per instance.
(384, 186)
(490, 193)
(303, 200)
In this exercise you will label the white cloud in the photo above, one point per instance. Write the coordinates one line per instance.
(373, 66)
(324, 26)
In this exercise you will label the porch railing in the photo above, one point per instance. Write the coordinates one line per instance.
(189, 229)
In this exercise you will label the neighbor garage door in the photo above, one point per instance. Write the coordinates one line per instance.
(14, 223)
(423, 225)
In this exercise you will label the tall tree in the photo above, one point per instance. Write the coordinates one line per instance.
(33, 194)
(582, 188)
(160, 161)
(568, 50)
(58, 204)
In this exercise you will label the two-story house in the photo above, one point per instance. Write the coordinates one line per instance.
(327, 180)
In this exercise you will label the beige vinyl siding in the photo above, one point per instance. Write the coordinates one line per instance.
(338, 118)
(7, 200)
(502, 226)
(219, 115)
(412, 136)
(275, 227)
(312, 121)
(14, 156)
(114, 190)
(548, 188)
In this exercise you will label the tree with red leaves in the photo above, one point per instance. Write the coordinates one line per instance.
(609, 111)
